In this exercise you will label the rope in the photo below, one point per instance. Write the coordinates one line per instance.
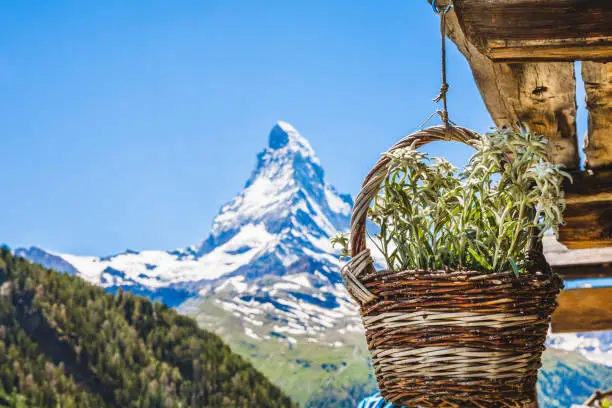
(444, 87)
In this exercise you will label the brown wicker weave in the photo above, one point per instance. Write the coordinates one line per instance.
(448, 338)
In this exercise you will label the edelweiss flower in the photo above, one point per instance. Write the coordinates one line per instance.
(406, 156)
(443, 166)
(542, 170)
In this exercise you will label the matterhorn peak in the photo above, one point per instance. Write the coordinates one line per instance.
(285, 138)
(286, 196)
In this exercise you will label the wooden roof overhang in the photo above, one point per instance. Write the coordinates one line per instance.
(538, 30)
(499, 39)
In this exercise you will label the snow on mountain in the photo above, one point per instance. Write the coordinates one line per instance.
(290, 288)
(288, 200)
(47, 259)
(285, 212)
(300, 306)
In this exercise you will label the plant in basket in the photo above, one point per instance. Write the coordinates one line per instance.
(460, 315)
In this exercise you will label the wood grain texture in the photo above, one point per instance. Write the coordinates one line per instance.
(578, 263)
(588, 215)
(598, 85)
(540, 96)
(551, 51)
(588, 225)
(538, 30)
(582, 310)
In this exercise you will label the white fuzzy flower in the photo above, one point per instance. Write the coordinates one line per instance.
(406, 156)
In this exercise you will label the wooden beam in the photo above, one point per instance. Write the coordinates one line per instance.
(585, 271)
(578, 263)
(540, 96)
(588, 215)
(587, 225)
(586, 183)
(538, 30)
(598, 85)
(550, 51)
(583, 310)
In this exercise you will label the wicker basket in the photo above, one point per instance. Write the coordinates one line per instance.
(449, 338)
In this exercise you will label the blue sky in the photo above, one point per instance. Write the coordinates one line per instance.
(128, 124)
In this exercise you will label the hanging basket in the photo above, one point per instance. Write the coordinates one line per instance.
(449, 338)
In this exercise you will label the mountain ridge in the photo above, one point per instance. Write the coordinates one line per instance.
(285, 211)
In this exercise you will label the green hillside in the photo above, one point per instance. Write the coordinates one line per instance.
(66, 343)
(316, 375)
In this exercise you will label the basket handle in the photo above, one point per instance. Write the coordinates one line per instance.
(361, 262)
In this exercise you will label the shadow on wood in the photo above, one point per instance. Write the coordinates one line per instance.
(588, 215)
(583, 310)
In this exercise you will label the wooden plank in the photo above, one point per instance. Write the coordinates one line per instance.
(543, 51)
(538, 30)
(583, 310)
(588, 215)
(598, 85)
(587, 225)
(540, 96)
(585, 271)
(578, 263)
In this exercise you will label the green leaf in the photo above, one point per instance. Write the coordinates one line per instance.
(480, 259)
(515, 268)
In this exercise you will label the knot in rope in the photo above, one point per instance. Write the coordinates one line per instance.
(442, 95)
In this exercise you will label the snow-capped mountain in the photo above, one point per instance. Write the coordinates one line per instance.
(265, 277)
(285, 214)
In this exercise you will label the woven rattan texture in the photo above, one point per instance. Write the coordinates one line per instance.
(442, 338)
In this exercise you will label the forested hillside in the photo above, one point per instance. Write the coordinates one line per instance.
(64, 342)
